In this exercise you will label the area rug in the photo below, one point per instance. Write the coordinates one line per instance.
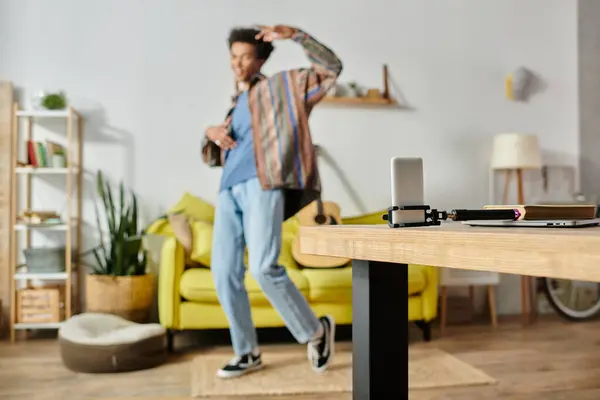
(290, 374)
(434, 368)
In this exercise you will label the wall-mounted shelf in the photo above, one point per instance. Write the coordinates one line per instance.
(384, 101)
(360, 101)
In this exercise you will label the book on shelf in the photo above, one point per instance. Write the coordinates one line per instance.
(40, 154)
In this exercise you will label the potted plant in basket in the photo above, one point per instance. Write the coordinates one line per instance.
(119, 283)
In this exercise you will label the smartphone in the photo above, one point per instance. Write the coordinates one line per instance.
(407, 188)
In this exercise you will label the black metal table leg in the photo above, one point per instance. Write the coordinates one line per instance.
(379, 330)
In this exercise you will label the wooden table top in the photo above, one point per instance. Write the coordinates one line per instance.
(567, 253)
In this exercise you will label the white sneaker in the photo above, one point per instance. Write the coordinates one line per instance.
(239, 366)
(321, 351)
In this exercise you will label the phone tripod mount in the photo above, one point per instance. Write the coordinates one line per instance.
(430, 216)
(433, 217)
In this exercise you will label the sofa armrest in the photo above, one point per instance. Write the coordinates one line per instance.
(172, 264)
(429, 296)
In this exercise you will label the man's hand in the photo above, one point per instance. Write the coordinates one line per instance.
(218, 134)
(277, 32)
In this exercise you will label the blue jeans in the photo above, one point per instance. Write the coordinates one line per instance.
(248, 216)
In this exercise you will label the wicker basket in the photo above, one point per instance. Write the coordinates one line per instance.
(51, 259)
(129, 297)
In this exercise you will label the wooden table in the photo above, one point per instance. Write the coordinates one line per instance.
(379, 279)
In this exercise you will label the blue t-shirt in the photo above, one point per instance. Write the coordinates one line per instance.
(240, 162)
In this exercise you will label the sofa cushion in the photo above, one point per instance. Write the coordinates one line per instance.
(202, 236)
(334, 285)
(329, 285)
(194, 207)
(189, 205)
(417, 279)
(197, 284)
(374, 218)
(291, 226)
(182, 230)
(286, 258)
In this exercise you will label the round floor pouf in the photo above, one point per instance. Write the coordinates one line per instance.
(99, 343)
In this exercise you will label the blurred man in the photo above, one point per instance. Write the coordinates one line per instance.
(269, 173)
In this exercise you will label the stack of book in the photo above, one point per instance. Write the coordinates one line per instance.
(45, 155)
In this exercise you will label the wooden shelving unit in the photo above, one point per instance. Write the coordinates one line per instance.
(6, 174)
(385, 100)
(71, 217)
(360, 101)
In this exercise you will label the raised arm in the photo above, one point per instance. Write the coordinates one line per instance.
(315, 81)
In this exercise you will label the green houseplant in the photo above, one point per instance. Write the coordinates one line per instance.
(55, 101)
(119, 283)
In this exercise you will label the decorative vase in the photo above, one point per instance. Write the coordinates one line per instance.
(129, 297)
(37, 98)
(352, 90)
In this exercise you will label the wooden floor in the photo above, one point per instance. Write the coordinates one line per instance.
(552, 359)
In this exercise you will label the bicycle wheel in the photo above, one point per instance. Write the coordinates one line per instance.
(573, 300)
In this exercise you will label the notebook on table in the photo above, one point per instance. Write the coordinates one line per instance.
(546, 215)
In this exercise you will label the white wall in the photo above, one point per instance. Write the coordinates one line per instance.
(152, 74)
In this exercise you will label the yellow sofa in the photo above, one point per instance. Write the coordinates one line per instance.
(187, 298)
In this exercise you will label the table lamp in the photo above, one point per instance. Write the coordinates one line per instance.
(515, 152)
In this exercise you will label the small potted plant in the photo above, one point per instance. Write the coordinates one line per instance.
(54, 101)
(119, 283)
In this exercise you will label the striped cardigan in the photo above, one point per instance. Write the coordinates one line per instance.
(280, 106)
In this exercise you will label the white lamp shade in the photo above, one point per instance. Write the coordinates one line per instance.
(516, 151)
